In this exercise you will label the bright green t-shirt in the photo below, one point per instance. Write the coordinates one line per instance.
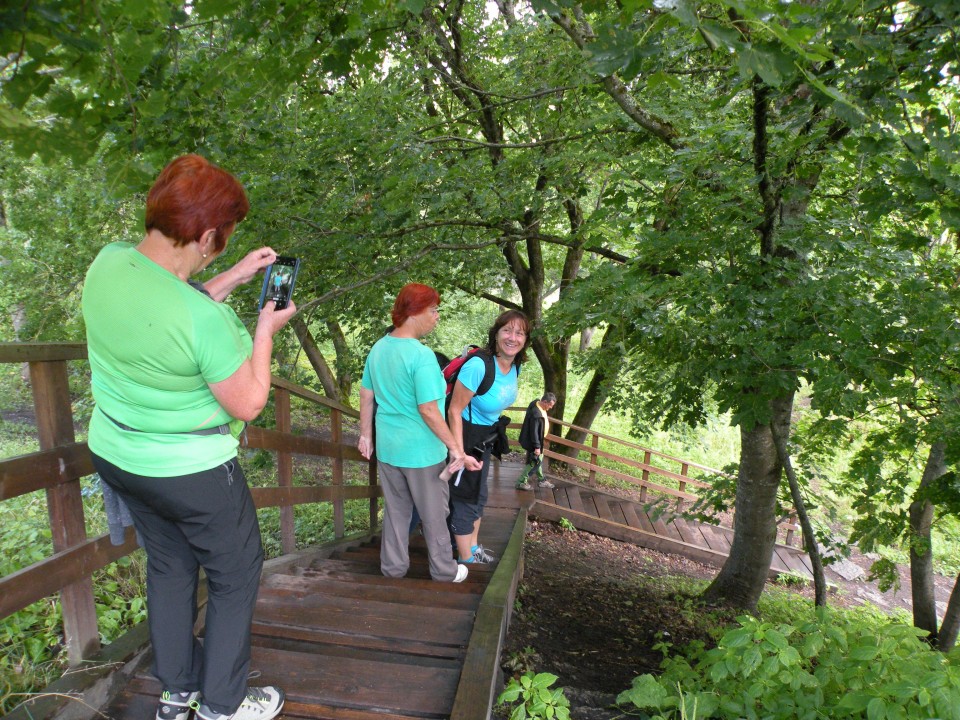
(154, 344)
(403, 374)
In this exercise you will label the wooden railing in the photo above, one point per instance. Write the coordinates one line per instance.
(679, 476)
(61, 462)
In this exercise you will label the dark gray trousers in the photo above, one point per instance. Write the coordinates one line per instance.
(207, 520)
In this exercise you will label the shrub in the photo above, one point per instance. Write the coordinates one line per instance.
(830, 666)
(536, 698)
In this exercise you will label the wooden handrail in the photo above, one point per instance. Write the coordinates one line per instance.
(627, 443)
(306, 394)
(60, 464)
(647, 469)
(41, 352)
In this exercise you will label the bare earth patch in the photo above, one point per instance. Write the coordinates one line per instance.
(582, 615)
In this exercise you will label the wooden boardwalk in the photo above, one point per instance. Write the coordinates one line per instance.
(346, 643)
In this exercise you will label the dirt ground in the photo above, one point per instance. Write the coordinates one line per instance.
(582, 616)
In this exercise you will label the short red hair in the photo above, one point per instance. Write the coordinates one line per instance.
(192, 195)
(413, 299)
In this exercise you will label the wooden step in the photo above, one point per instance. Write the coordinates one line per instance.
(432, 594)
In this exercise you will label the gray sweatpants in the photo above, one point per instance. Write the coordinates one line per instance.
(402, 489)
(207, 520)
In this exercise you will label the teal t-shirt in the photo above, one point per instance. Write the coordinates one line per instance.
(403, 373)
(487, 408)
(154, 345)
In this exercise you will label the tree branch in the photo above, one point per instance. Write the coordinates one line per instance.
(501, 145)
(616, 89)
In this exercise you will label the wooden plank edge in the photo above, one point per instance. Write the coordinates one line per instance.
(287, 563)
(480, 676)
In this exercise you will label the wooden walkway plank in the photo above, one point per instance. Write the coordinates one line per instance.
(630, 515)
(367, 617)
(573, 496)
(688, 533)
(603, 507)
(560, 497)
(616, 512)
(299, 587)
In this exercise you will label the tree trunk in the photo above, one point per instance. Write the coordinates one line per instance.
(593, 399)
(342, 348)
(319, 363)
(741, 579)
(951, 620)
(921, 558)
(586, 335)
(809, 537)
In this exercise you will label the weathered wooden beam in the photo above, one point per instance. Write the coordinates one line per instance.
(44, 470)
(51, 401)
(41, 352)
(479, 678)
(68, 567)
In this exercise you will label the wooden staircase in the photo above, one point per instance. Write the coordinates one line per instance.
(347, 643)
(613, 516)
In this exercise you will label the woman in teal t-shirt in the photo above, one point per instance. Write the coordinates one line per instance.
(474, 419)
(174, 374)
(403, 382)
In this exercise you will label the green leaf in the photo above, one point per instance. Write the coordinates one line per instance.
(645, 692)
(544, 680)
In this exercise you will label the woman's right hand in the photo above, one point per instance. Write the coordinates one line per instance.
(365, 446)
(462, 460)
(272, 320)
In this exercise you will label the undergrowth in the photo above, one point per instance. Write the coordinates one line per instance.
(838, 664)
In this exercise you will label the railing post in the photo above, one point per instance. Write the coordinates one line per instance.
(791, 521)
(336, 436)
(51, 402)
(684, 468)
(645, 476)
(288, 535)
(594, 460)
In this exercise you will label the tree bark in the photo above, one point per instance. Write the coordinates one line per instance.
(742, 578)
(951, 620)
(809, 538)
(922, 587)
(593, 399)
(342, 348)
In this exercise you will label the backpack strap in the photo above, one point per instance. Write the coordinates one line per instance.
(489, 373)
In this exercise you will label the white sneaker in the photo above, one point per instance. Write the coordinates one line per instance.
(259, 704)
(175, 705)
(461, 573)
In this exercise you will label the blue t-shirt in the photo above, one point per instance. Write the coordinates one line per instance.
(403, 374)
(487, 408)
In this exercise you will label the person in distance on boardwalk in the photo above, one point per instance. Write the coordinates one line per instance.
(476, 421)
(532, 433)
(402, 379)
(175, 375)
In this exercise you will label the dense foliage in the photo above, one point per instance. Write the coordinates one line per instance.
(830, 666)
